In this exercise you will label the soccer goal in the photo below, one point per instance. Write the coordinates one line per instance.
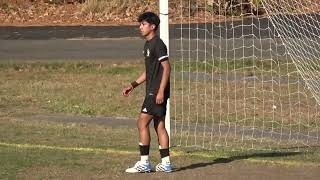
(245, 74)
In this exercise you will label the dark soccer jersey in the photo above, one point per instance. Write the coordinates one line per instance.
(154, 52)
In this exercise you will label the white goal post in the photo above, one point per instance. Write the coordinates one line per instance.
(164, 35)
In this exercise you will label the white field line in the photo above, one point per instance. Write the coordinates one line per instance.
(79, 149)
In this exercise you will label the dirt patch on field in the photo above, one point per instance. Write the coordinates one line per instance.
(197, 170)
(39, 172)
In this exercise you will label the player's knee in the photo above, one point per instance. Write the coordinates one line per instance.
(142, 126)
(155, 128)
(155, 125)
(161, 128)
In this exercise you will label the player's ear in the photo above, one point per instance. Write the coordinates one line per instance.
(153, 27)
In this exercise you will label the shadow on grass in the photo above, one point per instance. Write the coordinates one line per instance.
(240, 157)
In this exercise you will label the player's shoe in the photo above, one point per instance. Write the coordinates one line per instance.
(140, 167)
(164, 167)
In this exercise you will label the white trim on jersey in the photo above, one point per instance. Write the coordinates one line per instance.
(163, 57)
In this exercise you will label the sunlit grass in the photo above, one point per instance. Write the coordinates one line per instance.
(83, 88)
(28, 149)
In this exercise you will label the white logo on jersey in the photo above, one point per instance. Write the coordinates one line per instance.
(144, 110)
(148, 52)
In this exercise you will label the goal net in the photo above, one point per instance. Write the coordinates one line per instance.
(246, 74)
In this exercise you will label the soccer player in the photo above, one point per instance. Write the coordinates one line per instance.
(156, 75)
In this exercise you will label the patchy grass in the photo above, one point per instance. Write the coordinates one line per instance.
(257, 93)
(241, 104)
(94, 89)
(248, 67)
(82, 88)
(41, 150)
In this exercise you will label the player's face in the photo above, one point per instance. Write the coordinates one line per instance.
(146, 28)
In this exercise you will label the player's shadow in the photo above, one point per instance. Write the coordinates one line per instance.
(240, 157)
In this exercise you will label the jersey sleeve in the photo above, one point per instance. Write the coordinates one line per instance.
(161, 51)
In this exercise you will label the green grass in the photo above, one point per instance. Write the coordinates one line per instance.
(42, 163)
(82, 88)
(247, 66)
(241, 100)
(72, 135)
(70, 67)
(45, 150)
(94, 89)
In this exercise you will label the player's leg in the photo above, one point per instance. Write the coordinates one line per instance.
(143, 127)
(144, 145)
(163, 138)
(144, 135)
(159, 126)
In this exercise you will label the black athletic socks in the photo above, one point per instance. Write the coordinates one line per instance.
(164, 152)
(144, 149)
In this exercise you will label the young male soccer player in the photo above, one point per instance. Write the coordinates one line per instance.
(156, 75)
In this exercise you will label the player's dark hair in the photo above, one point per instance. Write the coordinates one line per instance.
(150, 18)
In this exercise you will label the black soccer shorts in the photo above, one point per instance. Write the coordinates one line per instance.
(150, 106)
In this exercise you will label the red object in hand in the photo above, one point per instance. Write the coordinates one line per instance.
(127, 91)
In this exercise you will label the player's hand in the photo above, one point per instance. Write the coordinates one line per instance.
(126, 91)
(159, 98)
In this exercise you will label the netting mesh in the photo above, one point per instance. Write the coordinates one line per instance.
(244, 81)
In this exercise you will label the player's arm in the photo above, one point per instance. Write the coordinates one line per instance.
(126, 91)
(164, 80)
(142, 78)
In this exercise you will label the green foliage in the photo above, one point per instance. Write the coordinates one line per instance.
(257, 3)
(235, 7)
(8, 7)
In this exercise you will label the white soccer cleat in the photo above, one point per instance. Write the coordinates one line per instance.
(140, 167)
(164, 167)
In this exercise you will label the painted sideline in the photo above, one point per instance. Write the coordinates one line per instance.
(80, 149)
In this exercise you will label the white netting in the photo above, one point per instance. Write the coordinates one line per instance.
(244, 81)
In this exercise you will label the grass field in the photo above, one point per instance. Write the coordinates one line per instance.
(43, 149)
(73, 88)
